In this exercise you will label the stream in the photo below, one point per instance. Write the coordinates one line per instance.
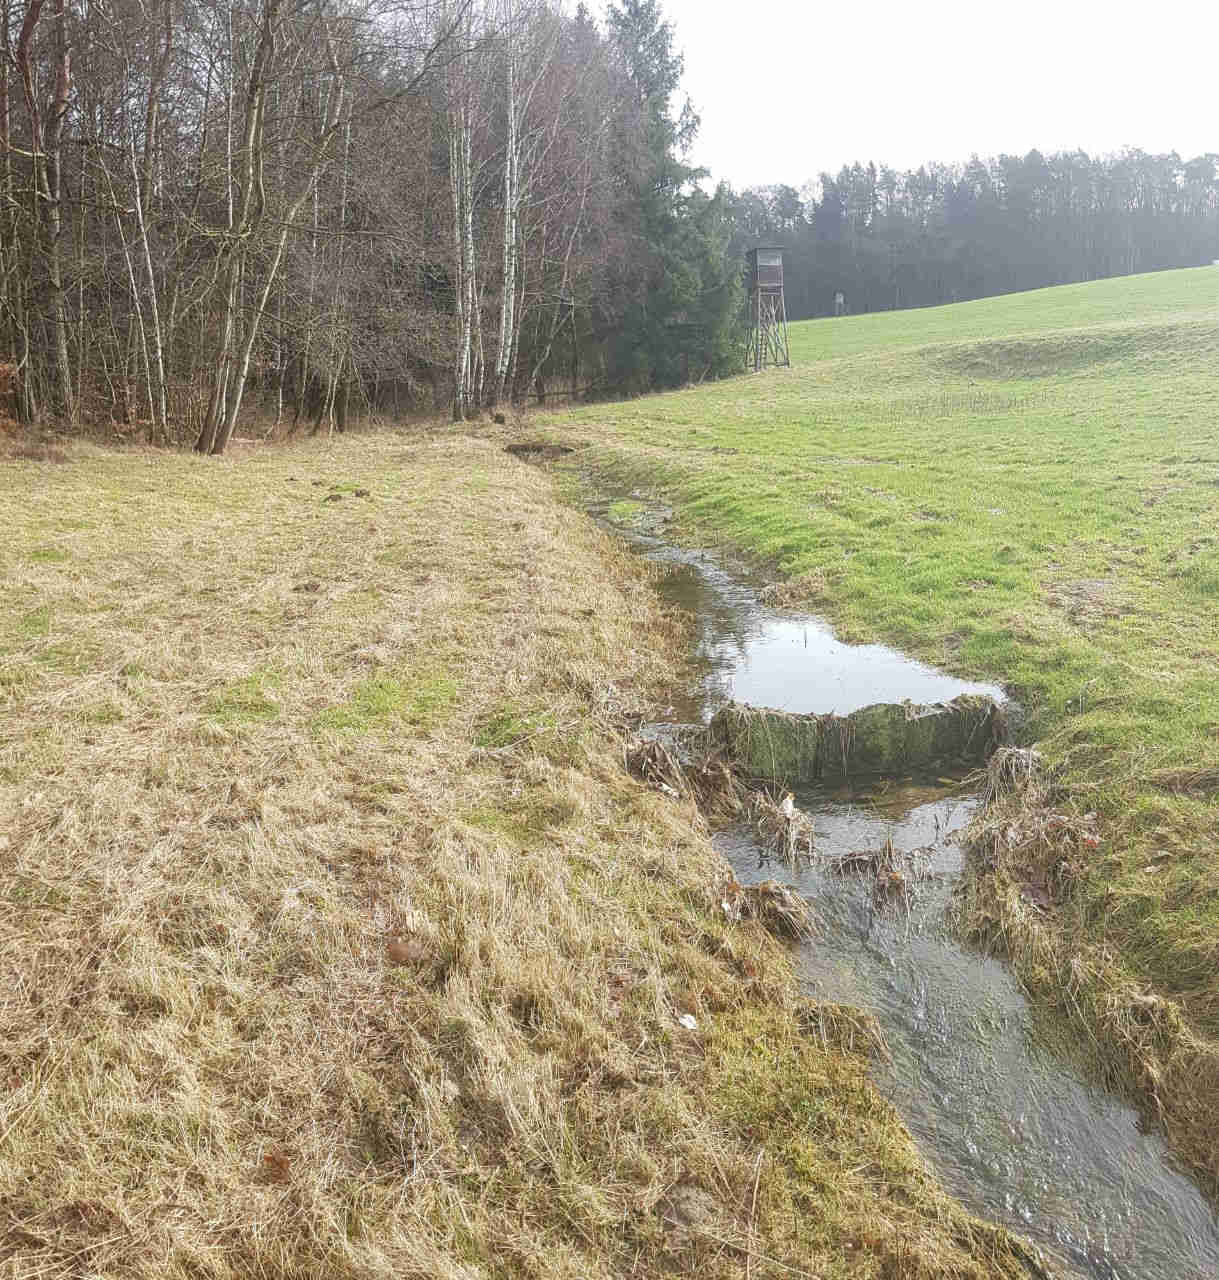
(1012, 1127)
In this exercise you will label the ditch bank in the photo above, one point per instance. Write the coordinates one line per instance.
(1011, 1120)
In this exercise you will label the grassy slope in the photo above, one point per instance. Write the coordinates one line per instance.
(334, 939)
(1024, 488)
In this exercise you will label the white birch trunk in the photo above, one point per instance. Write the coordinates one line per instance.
(460, 159)
(156, 390)
(507, 321)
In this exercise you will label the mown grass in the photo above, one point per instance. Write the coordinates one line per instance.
(418, 702)
(335, 940)
(1022, 488)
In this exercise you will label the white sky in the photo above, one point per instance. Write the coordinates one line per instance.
(787, 88)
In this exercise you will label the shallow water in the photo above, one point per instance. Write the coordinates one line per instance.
(1015, 1132)
(764, 656)
(1014, 1129)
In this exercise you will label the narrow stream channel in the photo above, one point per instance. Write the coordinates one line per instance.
(1014, 1130)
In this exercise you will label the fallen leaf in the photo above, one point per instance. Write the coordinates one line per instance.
(689, 1021)
(406, 951)
(277, 1163)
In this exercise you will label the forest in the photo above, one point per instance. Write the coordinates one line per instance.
(293, 210)
(948, 232)
(282, 213)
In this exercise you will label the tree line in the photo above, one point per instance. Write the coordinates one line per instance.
(285, 212)
(948, 232)
(291, 210)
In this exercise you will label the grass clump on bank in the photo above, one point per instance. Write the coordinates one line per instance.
(1023, 488)
(336, 941)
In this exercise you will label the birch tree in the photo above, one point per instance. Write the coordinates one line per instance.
(465, 117)
(46, 136)
(326, 97)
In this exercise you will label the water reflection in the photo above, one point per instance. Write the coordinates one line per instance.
(774, 658)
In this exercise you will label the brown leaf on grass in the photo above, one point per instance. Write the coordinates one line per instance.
(277, 1164)
(406, 951)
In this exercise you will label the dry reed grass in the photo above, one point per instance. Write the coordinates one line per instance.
(780, 826)
(690, 770)
(334, 939)
(1033, 849)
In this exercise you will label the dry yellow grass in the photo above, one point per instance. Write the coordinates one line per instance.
(335, 940)
(1031, 846)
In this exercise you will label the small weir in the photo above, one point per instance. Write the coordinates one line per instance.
(1013, 1128)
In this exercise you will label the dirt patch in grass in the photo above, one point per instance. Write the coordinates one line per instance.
(538, 450)
(336, 940)
(1087, 601)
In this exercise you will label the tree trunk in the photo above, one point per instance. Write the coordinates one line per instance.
(45, 159)
(221, 407)
(461, 181)
(507, 323)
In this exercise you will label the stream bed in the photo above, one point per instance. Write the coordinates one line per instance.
(1013, 1128)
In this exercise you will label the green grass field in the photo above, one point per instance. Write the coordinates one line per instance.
(1024, 488)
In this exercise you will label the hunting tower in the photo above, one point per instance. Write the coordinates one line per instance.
(767, 310)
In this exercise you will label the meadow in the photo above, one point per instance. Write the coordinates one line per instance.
(1024, 489)
(337, 940)
(336, 937)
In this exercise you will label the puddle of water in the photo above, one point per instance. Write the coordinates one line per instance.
(1020, 1136)
(774, 658)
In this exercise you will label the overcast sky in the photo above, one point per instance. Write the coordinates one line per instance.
(787, 88)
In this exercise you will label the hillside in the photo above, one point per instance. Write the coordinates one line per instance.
(1024, 489)
(337, 941)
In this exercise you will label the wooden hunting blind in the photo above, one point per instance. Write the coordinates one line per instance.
(767, 310)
